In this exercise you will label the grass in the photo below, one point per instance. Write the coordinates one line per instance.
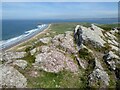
(108, 27)
(60, 28)
(29, 58)
(63, 79)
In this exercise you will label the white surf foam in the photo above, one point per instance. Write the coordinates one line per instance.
(27, 34)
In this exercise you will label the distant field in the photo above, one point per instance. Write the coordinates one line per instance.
(62, 27)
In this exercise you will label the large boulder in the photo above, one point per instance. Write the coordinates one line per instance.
(45, 48)
(45, 40)
(10, 77)
(54, 61)
(7, 56)
(65, 42)
(33, 51)
(57, 39)
(110, 59)
(98, 78)
(20, 63)
(93, 34)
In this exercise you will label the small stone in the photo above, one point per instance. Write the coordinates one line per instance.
(20, 63)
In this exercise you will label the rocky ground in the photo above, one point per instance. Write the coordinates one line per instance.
(80, 57)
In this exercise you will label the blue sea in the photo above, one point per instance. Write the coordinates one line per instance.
(15, 28)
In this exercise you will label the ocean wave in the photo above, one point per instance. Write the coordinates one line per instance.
(30, 31)
(27, 34)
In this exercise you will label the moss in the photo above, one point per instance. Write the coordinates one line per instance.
(85, 54)
(29, 58)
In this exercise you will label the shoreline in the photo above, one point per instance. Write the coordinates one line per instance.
(27, 40)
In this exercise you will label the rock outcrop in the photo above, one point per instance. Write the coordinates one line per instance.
(111, 58)
(10, 56)
(82, 52)
(10, 77)
(20, 63)
(98, 78)
(93, 35)
(45, 40)
(55, 61)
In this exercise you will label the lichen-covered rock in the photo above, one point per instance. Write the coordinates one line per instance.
(45, 48)
(7, 56)
(45, 40)
(111, 55)
(110, 59)
(94, 35)
(70, 65)
(65, 41)
(111, 36)
(21, 63)
(57, 39)
(81, 62)
(98, 78)
(33, 51)
(54, 61)
(10, 77)
(68, 43)
(115, 48)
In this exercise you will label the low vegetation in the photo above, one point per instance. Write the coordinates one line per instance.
(108, 27)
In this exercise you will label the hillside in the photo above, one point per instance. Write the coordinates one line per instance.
(68, 55)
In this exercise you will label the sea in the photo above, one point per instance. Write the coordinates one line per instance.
(15, 28)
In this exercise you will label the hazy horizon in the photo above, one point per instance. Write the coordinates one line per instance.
(59, 10)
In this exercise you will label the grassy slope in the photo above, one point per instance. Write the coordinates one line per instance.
(64, 78)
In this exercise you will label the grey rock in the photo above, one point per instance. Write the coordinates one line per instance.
(81, 62)
(7, 56)
(98, 74)
(45, 40)
(93, 35)
(57, 39)
(20, 63)
(110, 58)
(68, 43)
(10, 77)
(54, 61)
(45, 48)
(78, 35)
(33, 51)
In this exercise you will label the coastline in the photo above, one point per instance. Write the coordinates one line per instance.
(27, 40)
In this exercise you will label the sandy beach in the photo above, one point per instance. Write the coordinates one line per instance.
(27, 40)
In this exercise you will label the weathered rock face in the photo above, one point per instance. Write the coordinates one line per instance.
(45, 48)
(7, 56)
(78, 35)
(33, 51)
(65, 41)
(68, 42)
(111, 58)
(81, 62)
(93, 35)
(55, 61)
(98, 76)
(57, 39)
(21, 63)
(10, 77)
(45, 40)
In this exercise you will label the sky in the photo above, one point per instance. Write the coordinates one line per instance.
(59, 10)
